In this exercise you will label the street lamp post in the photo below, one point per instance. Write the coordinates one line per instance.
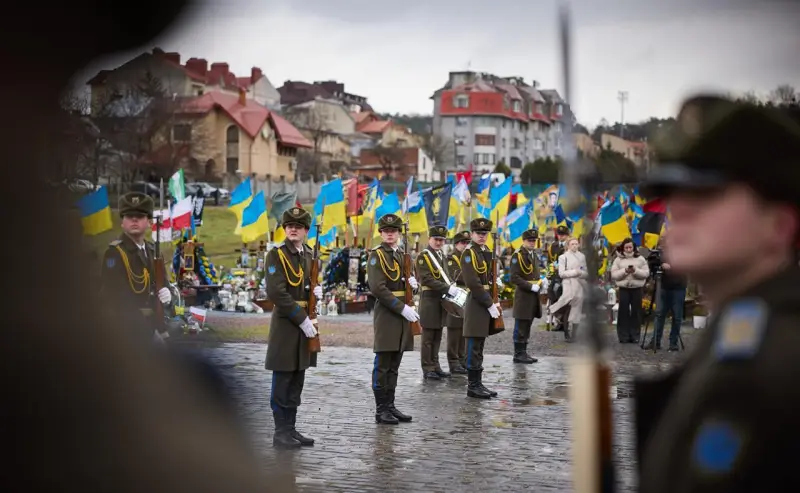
(622, 97)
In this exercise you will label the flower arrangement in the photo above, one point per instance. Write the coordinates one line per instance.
(646, 303)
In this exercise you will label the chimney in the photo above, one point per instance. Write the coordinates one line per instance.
(242, 97)
(173, 57)
(197, 65)
(158, 51)
(255, 74)
(535, 84)
(220, 68)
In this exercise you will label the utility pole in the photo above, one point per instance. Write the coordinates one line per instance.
(622, 97)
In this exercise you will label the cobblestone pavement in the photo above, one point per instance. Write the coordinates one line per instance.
(517, 442)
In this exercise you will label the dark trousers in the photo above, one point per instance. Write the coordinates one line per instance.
(522, 331)
(475, 352)
(670, 300)
(456, 348)
(629, 317)
(429, 351)
(385, 370)
(287, 386)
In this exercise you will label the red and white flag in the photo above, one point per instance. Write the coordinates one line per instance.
(182, 214)
(198, 314)
(164, 235)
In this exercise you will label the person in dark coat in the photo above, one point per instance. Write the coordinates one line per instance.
(726, 419)
(288, 355)
(524, 274)
(456, 344)
(391, 318)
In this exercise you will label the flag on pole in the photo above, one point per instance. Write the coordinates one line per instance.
(198, 314)
(176, 186)
(95, 212)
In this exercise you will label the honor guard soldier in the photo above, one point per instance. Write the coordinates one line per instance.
(391, 318)
(726, 420)
(555, 250)
(480, 309)
(128, 265)
(456, 344)
(525, 278)
(436, 283)
(288, 355)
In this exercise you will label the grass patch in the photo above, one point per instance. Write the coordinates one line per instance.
(253, 333)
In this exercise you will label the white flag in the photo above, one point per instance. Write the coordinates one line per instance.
(163, 235)
(176, 186)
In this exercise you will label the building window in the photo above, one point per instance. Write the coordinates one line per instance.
(540, 108)
(460, 160)
(491, 159)
(182, 132)
(559, 110)
(461, 101)
(517, 106)
(484, 140)
(503, 145)
(476, 158)
(232, 165)
(516, 143)
(461, 121)
(537, 144)
(232, 149)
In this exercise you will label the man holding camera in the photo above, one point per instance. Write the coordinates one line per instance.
(671, 299)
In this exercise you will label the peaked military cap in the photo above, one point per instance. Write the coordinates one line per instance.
(562, 230)
(136, 203)
(717, 141)
(480, 224)
(390, 221)
(437, 232)
(296, 215)
(530, 234)
(462, 236)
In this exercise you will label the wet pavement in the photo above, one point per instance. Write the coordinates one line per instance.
(519, 441)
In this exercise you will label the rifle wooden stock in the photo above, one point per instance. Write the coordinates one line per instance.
(159, 274)
(416, 328)
(314, 344)
(497, 324)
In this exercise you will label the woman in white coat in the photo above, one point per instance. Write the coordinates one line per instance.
(573, 272)
(630, 272)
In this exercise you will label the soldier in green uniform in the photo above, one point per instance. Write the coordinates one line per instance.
(434, 276)
(391, 318)
(525, 278)
(480, 309)
(555, 250)
(128, 268)
(288, 267)
(726, 420)
(456, 344)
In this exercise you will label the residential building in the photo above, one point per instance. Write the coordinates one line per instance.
(490, 119)
(328, 125)
(193, 78)
(638, 152)
(585, 144)
(396, 163)
(296, 92)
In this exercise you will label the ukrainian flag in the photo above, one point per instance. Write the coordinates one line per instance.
(254, 219)
(517, 223)
(613, 223)
(240, 199)
(330, 202)
(499, 197)
(389, 205)
(95, 212)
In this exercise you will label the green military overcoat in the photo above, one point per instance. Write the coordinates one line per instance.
(454, 267)
(476, 271)
(431, 313)
(391, 330)
(524, 272)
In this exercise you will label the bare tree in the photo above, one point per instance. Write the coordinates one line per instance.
(438, 149)
(390, 157)
(316, 128)
(782, 95)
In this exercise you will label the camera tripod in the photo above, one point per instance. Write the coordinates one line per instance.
(648, 316)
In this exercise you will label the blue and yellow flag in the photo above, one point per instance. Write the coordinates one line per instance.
(254, 219)
(241, 197)
(613, 223)
(95, 212)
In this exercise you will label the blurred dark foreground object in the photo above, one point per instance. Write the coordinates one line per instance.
(83, 408)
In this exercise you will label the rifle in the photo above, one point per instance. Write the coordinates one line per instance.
(590, 372)
(159, 274)
(497, 324)
(314, 345)
(416, 328)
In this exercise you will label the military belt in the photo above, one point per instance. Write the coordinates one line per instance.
(302, 304)
(426, 288)
(399, 293)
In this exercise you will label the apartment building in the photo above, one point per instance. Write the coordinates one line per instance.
(297, 92)
(491, 119)
(638, 152)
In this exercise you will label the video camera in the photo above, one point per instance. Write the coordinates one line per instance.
(654, 261)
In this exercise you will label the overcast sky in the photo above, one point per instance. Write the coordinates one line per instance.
(398, 53)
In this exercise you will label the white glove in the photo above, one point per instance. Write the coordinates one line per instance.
(545, 284)
(307, 326)
(413, 281)
(410, 314)
(164, 295)
(535, 287)
(499, 283)
(318, 291)
(494, 310)
(452, 290)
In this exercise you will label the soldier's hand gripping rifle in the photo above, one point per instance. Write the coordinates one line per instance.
(590, 374)
(497, 324)
(314, 344)
(416, 328)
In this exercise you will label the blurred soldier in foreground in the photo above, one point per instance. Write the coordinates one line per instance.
(525, 278)
(727, 419)
(288, 354)
(456, 344)
(392, 331)
(128, 266)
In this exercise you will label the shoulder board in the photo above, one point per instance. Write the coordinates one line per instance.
(115, 243)
(375, 247)
(278, 245)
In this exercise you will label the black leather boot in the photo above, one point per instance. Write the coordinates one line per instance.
(568, 333)
(442, 373)
(491, 392)
(458, 370)
(405, 418)
(431, 375)
(291, 415)
(382, 414)
(521, 354)
(474, 387)
(282, 438)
